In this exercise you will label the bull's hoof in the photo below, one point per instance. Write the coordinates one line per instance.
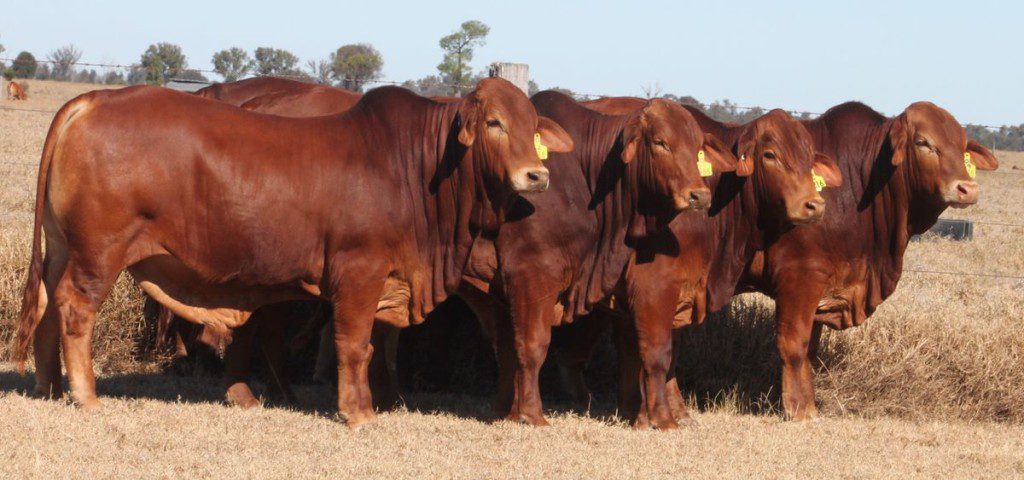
(48, 392)
(239, 395)
(668, 423)
(802, 415)
(532, 420)
(356, 421)
(89, 404)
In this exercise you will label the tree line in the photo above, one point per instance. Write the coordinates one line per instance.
(355, 66)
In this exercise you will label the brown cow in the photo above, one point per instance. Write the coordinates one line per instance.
(900, 173)
(695, 268)
(627, 178)
(375, 210)
(304, 102)
(241, 91)
(15, 91)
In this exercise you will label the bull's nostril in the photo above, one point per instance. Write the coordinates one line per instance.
(814, 206)
(962, 189)
(533, 176)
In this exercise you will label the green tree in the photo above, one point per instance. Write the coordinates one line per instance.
(354, 65)
(25, 65)
(232, 64)
(63, 60)
(162, 62)
(458, 52)
(274, 61)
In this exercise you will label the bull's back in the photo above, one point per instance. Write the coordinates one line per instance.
(250, 195)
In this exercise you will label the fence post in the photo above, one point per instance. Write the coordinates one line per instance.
(517, 73)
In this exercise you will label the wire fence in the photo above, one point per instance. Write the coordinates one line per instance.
(382, 81)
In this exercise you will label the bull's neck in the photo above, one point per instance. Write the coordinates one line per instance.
(445, 190)
(738, 229)
(888, 210)
(614, 201)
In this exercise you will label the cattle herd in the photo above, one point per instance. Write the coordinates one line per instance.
(639, 216)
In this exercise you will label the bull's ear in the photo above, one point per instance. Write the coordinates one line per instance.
(467, 121)
(553, 136)
(632, 134)
(898, 138)
(629, 150)
(720, 157)
(827, 168)
(982, 157)
(744, 152)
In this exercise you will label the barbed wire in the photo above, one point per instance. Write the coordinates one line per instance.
(380, 81)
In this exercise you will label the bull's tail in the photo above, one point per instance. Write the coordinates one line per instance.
(34, 298)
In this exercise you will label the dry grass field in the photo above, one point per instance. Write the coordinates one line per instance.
(932, 385)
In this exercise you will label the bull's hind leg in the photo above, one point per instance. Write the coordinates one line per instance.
(237, 366)
(77, 297)
(46, 343)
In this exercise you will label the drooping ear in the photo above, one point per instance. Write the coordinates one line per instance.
(632, 135)
(467, 121)
(982, 157)
(720, 157)
(827, 168)
(553, 136)
(899, 134)
(744, 151)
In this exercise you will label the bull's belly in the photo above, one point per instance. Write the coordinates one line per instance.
(218, 305)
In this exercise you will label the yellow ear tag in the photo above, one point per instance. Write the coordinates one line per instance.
(972, 170)
(704, 166)
(542, 151)
(819, 181)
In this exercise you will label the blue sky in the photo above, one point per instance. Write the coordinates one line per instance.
(806, 55)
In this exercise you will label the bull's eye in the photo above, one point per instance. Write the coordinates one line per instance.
(661, 144)
(493, 123)
(770, 155)
(922, 143)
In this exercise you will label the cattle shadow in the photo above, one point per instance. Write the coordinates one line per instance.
(447, 366)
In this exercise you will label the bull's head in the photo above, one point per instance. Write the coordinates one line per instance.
(942, 160)
(507, 137)
(671, 152)
(787, 173)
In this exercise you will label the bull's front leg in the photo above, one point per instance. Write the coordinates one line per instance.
(794, 310)
(531, 325)
(356, 286)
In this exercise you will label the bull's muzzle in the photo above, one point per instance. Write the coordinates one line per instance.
(693, 199)
(962, 193)
(528, 180)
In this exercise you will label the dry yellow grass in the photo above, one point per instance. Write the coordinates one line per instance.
(932, 384)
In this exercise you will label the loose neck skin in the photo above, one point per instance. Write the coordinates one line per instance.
(736, 228)
(445, 193)
(614, 199)
(888, 208)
